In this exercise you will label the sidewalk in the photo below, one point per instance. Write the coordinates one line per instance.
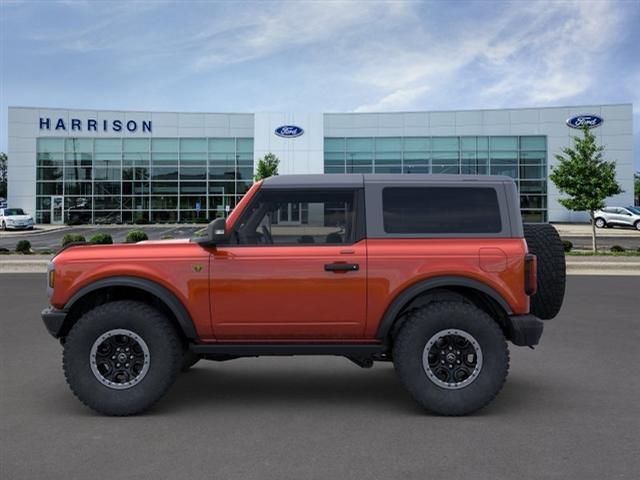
(604, 265)
(584, 230)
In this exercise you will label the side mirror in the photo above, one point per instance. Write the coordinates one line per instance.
(216, 233)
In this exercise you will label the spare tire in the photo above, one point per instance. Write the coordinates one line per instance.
(544, 242)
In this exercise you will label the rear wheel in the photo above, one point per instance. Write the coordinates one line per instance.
(637, 225)
(545, 243)
(121, 357)
(452, 357)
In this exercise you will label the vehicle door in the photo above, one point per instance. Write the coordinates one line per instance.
(294, 269)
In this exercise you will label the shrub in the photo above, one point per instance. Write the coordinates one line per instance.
(141, 221)
(618, 249)
(201, 220)
(71, 221)
(567, 245)
(167, 237)
(136, 236)
(72, 237)
(23, 246)
(101, 239)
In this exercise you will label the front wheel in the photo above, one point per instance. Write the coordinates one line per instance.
(600, 223)
(121, 357)
(4, 226)
(452, 357)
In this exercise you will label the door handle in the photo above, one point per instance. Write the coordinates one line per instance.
(341, 267)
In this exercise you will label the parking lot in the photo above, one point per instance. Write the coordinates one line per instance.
(570, 409)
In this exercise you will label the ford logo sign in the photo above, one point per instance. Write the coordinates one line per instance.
(581, 121)
(289, 131)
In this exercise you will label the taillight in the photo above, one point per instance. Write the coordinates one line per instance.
(530, 274)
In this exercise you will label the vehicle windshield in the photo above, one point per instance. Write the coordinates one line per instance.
(635, 210)
(13, 211)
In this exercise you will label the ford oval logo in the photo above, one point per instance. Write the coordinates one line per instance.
(581, 121)
(289, 131)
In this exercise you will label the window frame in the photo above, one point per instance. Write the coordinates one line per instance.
(358, 232)
(374, 212)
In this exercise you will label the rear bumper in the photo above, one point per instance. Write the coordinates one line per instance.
(54, 320)
(525, 330)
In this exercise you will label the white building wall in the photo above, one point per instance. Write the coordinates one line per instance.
(24, 129)
(304, 154)
(616, 134)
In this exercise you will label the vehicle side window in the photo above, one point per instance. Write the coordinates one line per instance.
(440, 210)
(298, 218)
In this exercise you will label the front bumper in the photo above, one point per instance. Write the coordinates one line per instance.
(54, 320)
(524, 330)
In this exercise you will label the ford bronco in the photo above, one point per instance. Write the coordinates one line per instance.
(434, 273)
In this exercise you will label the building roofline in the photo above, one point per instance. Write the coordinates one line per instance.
(594, 105)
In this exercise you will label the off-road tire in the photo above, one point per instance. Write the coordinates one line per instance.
(165, 357)
(189, 360)
(410, 343)
(545, 243)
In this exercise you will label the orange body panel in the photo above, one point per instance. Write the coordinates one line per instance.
(168, 263)
(395, 264)
(284, 292)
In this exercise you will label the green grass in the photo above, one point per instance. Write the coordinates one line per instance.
(585, 253)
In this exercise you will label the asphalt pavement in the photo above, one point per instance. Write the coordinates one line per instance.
(570, 409)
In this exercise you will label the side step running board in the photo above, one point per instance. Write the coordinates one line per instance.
(357, 350)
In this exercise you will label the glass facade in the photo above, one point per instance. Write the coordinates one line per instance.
(113, 180)
(523, 158)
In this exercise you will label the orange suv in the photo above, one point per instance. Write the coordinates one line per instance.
(433, 273)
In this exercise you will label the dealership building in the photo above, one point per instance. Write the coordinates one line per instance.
(106, 166)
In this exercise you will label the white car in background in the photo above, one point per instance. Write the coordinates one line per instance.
(15, 218)
(618, 216)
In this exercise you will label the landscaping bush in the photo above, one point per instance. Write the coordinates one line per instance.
(101, 239)
(74, 221)
(72, 237)
(23, 246)
(618, 249)
(141, 221)
(167, 237)
(201, 220)
(136, 236)
(567, 245)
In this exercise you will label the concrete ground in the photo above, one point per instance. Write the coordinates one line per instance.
(569, 409)
(48, 237)
(52, 238)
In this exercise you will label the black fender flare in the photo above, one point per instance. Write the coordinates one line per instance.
(162, 293)
(418, 288)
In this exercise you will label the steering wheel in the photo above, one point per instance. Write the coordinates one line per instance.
(267, 235)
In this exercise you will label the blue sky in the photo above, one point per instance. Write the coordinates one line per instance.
(318, 56)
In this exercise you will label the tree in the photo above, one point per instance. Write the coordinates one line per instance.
(636, 187)
(585, 177)
(267, 166)
(3, 175)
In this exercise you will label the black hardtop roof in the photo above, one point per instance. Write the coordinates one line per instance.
(351, 180)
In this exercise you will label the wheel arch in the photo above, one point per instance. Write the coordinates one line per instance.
(129, 287)
(438, 289)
